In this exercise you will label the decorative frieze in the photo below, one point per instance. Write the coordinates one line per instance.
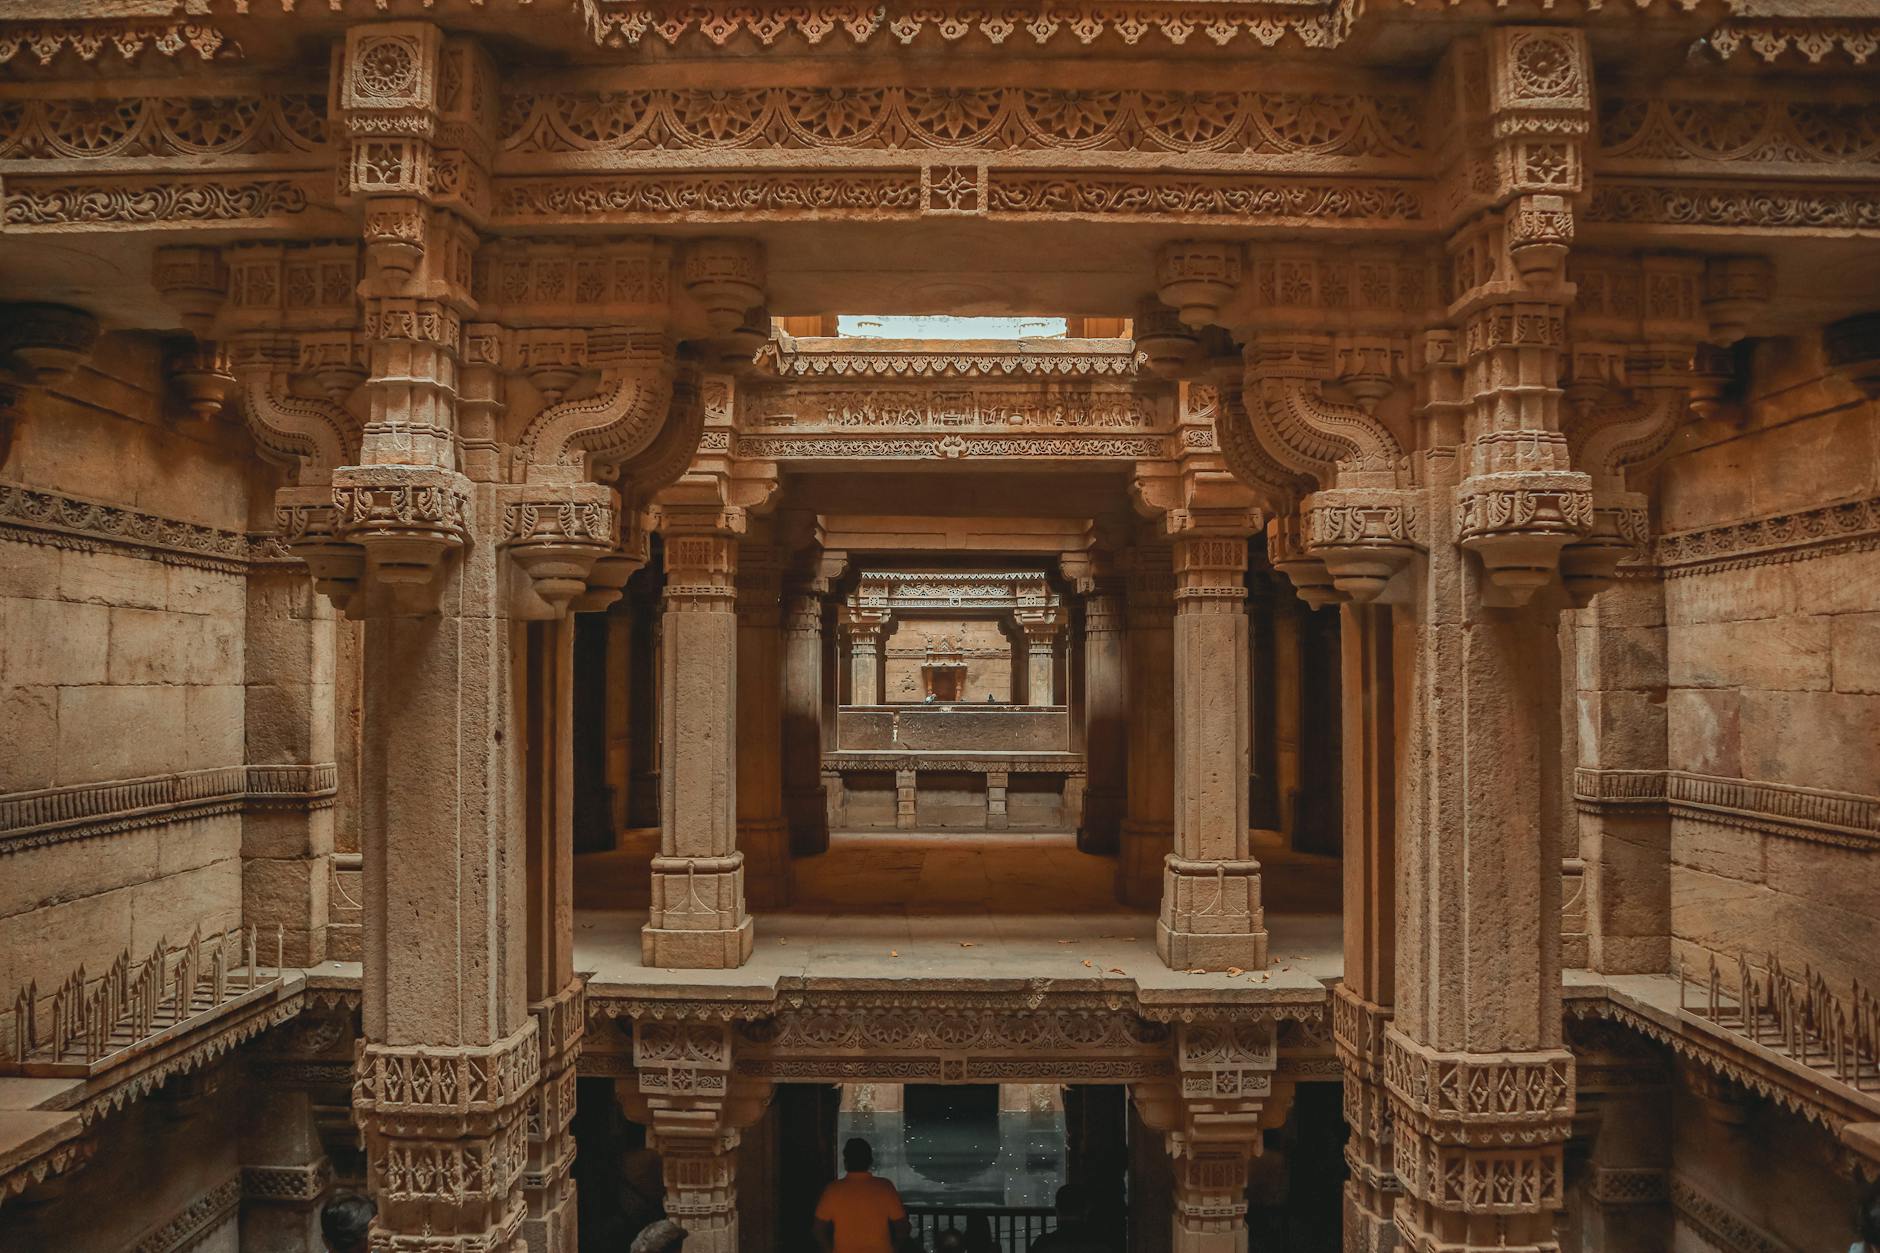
(33, 516)
(991, 119)
(1849, 526)
(1815, 814)
(45, 41)
(1722, 1227)
(199, 1220)
(238, 124)
(287, 1185)
(84, 811)
(132, 201)
(1773, 206)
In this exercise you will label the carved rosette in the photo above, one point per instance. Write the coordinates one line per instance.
(1364, 536)
(1517, 522)
(407, 518)
(557, 535)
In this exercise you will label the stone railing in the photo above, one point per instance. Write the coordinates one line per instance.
(960, 728)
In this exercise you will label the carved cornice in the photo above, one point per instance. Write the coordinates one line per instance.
(1849, 526)
(1799, 813)
(1793, 135)
(1768, 39)
(45, 41)
(84, 811)
(199, 1220)
(623, 24)
(32, 516)
(950, 447)
(242, 123)
(845, 357)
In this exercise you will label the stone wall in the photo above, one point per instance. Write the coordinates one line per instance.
(983, 645)
(122, 650)
(1765, 678)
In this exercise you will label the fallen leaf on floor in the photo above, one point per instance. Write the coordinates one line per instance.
(894, 952)
(1118, 970)
(1197, 971)
(1233, 970)
(1087, 963)
(966, 943)
(1063, 941)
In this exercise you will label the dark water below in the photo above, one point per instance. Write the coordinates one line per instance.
(963, 1156)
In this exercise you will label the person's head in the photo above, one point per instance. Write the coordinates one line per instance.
(345, 1221)
(1870, 1219)
(856, 1155)
(664, 1236)
(1072, 1205)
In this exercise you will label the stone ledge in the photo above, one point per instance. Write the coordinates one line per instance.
(1845, 819)
(50, 816)
(32, 515)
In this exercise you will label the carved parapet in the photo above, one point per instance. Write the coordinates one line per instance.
(1364, 536)
(1517, 522)
(1286, 552)
(556, 535)
(407, 518)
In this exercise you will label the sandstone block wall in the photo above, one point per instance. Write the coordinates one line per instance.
(1771, 703)
(118, 664)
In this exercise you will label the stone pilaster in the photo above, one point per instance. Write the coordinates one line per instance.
(1148, 830)
(289, 700)
(698, 919)
(997, 817)
(906, 800)
(804, 802)
(1106, 715)
(1211, 914)
(762, 834)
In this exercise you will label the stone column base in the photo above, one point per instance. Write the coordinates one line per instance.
(1211, 915)
(1142, 848)
(768, 879)
(698, 920)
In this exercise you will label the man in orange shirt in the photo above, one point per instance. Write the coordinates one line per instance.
(860, 1212)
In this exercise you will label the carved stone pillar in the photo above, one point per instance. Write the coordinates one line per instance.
(285, 1174)
(1211, 913)
(1211, 1116)
(1041, 630)
(804, 802)
(863, 630)
(548, 1181)
(694, 1110)
(1361, 1003)
(287, 843)
(1625, 1099)
(1148, 831)
(762, 834)
(698, 919)
(1106, 715)
(451, 1059)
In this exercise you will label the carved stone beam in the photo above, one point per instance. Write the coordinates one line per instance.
(40, 344)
